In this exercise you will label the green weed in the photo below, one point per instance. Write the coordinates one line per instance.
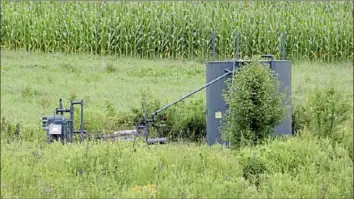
(110, 68)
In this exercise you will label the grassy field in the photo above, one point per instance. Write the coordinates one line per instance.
(32, 83)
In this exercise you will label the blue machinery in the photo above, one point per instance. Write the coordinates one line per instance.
(57, 126)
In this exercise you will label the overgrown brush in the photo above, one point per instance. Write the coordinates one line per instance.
(186, 121)
(325, 113)
(183, 121)
(300, 167)
(10, 130)
(255, 104)
(180, 29)
(13, 131)
(328, 109)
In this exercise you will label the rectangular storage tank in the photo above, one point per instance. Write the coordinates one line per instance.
(216, 106)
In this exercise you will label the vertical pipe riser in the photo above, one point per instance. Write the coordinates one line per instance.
(283, 56)
(214, 45)
(237, 47)
(61, 105)
(82, 116)
(72, 119)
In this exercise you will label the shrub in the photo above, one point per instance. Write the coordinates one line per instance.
(252, 167)
(185, 121)
(328, 109)
(300, 119)
(324, 112)
(255, 105)
(94, 120)
(182, 121)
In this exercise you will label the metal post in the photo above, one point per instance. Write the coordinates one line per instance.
(283, 46)
(237, 47)
(61, 105)
(213, 39)
(82, 117)
(71, 118)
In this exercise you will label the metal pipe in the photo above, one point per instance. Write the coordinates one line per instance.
(61, 111)
(61, 105)
(72, 118)
(237, 47)
(206, 85)
(213, 38)
(188, 95)
(82, 117)
(283, 46)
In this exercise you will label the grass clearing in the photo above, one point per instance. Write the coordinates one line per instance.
(33, 82)
(47, 77)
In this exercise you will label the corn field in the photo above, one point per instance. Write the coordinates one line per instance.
(314, 30)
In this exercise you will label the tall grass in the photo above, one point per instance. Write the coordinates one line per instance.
(315, 30)
(296, 168)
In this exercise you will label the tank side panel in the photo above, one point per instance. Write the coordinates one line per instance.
(215, 103)
(283, 68)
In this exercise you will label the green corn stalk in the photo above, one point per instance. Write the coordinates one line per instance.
(168, 29)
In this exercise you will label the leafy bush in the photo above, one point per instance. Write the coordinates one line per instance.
(252, 167)
(300, 119)
(184, 120)
(94, 120)
(324, 111)
(255, 105)
(328, 109)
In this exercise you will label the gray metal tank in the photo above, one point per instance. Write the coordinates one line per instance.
(216, 106)
(283, 68)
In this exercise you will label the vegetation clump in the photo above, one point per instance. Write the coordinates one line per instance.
(325, 113)
(255, 105)
(182, 121)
